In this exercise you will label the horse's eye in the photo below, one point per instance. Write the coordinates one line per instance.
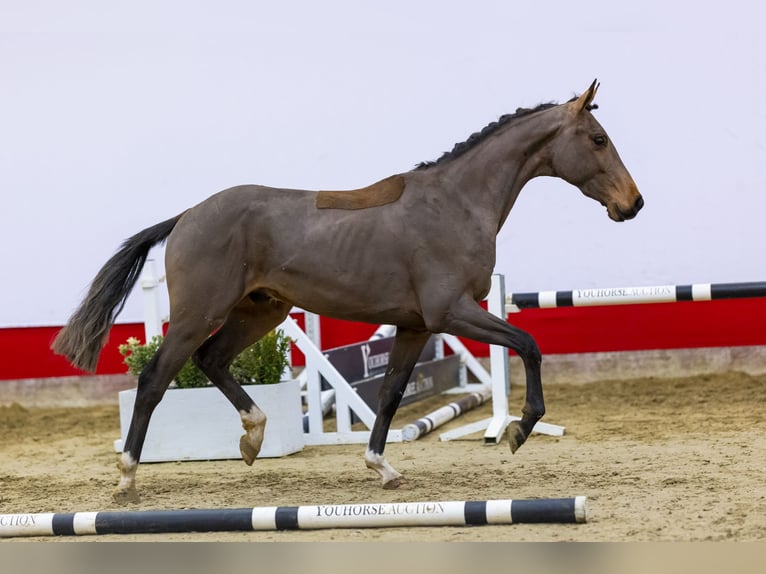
(599, 140)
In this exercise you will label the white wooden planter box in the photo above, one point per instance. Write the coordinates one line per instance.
(201, 424)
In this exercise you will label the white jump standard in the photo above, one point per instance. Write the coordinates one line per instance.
(366, 515)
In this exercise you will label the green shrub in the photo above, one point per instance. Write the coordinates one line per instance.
(264, 362)
(260, 364)
(137, 356)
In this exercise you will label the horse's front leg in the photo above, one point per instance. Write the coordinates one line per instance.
(468, 319)
(408, 345)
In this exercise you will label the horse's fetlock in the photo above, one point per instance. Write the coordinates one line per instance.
(253, 419)
(535, 412)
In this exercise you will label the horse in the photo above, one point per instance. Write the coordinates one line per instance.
(237, 263)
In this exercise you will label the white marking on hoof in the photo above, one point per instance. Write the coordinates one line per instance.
(392, 479)
(254, 423)
(126, 489)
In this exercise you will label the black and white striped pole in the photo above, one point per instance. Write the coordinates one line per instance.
(637, 295)
(366, 515)
(443, 415)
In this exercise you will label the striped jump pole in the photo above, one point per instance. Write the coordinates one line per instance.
(367, 515)
(637, 295)
(440, 416)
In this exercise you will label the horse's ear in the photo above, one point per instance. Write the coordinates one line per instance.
(586, 99)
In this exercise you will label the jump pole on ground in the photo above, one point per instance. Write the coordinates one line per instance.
(365, 515)
(442, 415)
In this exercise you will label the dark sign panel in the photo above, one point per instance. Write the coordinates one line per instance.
(364, 365)
(369, 358)
(428, 379)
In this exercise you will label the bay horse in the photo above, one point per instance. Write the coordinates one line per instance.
(415, 250)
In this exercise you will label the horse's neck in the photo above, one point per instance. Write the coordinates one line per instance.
(494, 172)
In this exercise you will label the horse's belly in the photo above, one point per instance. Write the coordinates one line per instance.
(352, 296)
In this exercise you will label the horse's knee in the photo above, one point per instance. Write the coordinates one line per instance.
(528, 350)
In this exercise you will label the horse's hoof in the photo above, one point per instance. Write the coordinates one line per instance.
(397, 483)
(516, 436)
(123, 496)
(248, 452)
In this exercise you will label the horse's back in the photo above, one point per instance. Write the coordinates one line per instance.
(228, 211)
(277, 241)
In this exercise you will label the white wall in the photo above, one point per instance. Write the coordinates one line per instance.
(114, 116)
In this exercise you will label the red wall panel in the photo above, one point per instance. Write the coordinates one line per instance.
(25, 352)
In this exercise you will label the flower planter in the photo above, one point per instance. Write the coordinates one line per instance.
(201, 424)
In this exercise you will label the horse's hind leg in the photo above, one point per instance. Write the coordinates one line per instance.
(250, 320)
(179, 344)
(408, 345)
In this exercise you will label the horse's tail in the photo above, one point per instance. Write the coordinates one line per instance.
(82, 339)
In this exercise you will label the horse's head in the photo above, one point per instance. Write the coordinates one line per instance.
(584, 156)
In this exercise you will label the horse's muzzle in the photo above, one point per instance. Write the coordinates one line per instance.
(625, 214)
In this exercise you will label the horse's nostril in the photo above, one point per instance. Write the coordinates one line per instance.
(639, 203)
